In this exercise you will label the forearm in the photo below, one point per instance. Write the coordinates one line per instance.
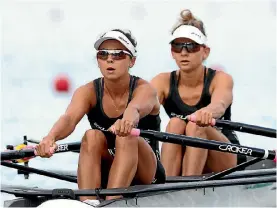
(217, 108)
(140, 110)
(62, 128)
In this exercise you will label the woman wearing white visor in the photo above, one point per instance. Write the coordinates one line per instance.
(115, 102)
(194, 89)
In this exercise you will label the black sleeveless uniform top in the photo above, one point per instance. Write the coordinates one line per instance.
(175, 107)
(99, 120)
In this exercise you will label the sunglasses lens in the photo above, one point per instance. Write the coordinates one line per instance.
(119, 55)
(102, 55)
(193, 47)
(177, 48)
(190, 47)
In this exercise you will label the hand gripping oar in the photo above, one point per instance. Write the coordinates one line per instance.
(242, 127)
(30, 152)
(206, 144)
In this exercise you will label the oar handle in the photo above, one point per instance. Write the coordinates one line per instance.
(241, 127)
(205, 144)
(30, 151)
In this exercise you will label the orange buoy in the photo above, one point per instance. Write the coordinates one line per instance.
(62, 84)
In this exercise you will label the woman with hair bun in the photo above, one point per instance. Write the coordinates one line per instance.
(196, 90)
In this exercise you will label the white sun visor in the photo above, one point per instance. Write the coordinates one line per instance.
(191, 32)
(116, 35)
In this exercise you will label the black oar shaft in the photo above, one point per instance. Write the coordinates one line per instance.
(17, 154)
(231, 170)
(247, 128)
(40, 172)
(208, 144)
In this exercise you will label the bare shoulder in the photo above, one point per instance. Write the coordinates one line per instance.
(86, 92)
(85, 89)
(143, 84)
(161, 78)
(222, 76)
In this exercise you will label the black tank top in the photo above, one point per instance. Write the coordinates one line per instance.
(99, 120)
(174, 105)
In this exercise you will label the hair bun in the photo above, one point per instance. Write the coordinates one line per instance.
(186, 15)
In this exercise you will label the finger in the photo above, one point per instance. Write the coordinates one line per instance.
(37, 150)
(210, 119)
(40, 150)
(52, 150)
(112, 129)
(117, 126)
(199, 118)
(206, 118)
(130, 127)
(122, 128)
(46, 149)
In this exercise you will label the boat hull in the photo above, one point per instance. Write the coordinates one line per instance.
(255, 187)
(254, 195)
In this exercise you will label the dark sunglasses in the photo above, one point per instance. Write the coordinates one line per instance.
(116, 54)
(190, 47)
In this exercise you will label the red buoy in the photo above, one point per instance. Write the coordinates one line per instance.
(62, 83)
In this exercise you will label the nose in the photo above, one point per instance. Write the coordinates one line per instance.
(184, 51)
(110, 59)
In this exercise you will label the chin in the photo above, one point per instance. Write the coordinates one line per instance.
(112, 77)
(186, 68)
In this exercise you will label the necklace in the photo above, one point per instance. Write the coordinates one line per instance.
(113, 100)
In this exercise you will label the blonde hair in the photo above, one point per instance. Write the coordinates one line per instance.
(187, 18)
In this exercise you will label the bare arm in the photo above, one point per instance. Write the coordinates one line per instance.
(80, 104)
(222, 95)
(143, 102)
(160, 82)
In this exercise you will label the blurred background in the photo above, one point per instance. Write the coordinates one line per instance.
(47, 52)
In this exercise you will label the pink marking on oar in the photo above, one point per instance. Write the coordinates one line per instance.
(213, 122)
(192, 118)
(135, 132)
(275, 157)
(31, 147)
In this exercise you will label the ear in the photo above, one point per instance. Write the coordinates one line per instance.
(132, 62)
(207, 51)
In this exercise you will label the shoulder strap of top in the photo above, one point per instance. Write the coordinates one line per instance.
(97, 86)
(132, 86)
(172, 83)
(208, 80)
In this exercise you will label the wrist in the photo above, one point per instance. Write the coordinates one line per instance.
(51, 137)
(131, 110)
(132, 113)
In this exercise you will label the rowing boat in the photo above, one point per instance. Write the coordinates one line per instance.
(255, 186)
(252, 183)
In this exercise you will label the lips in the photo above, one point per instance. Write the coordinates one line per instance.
(184, 61)
(110, 69)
